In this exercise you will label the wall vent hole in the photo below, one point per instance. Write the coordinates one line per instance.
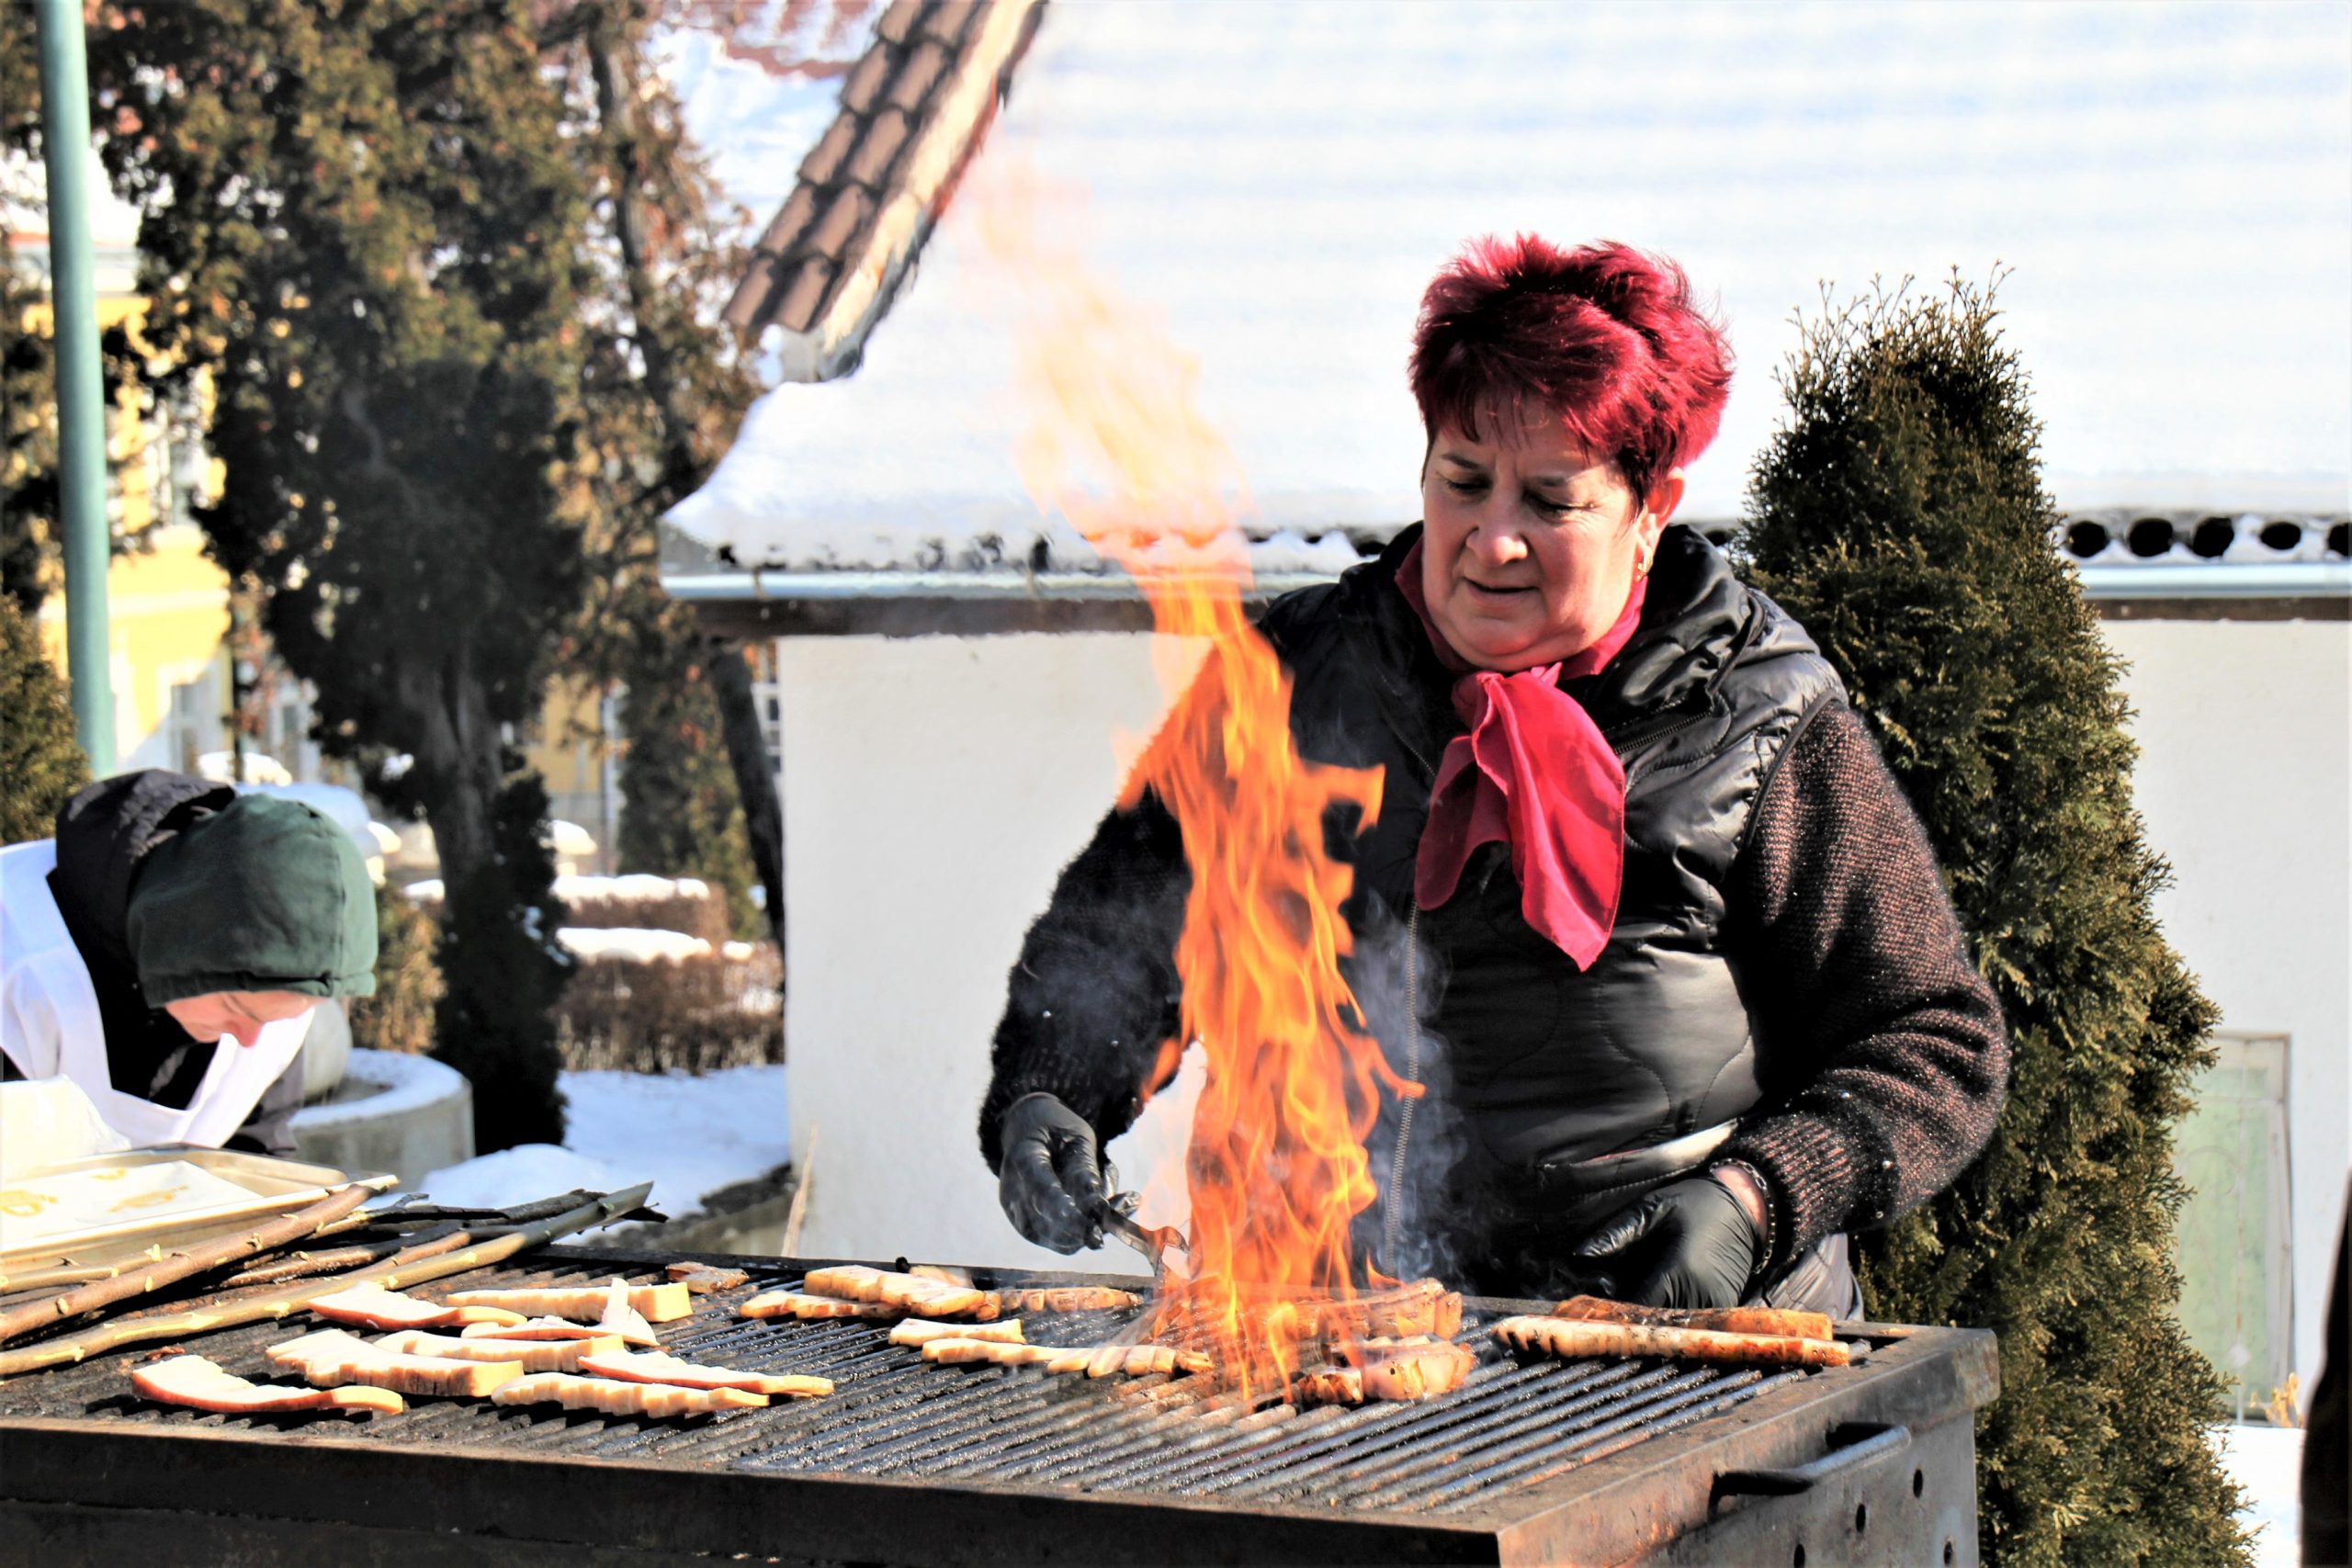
(2282, 535)
(1919, 1482)
(1861, 1517)
(2084, 540)
(2212, 538)
(2150, 536)
(1949, 1555)
(1799, 1559)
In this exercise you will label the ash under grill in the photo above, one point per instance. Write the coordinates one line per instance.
(968, 1463)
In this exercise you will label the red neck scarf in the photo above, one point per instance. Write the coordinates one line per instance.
(1535, 773)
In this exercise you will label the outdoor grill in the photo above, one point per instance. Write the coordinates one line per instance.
(1589, 1462)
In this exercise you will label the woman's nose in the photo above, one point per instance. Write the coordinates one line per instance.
(1496, 541)
(244, 1032)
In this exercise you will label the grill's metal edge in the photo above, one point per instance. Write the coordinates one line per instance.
(797, 1516)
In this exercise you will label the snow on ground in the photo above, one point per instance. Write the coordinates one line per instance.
(2267, 1461)
(688, 1136)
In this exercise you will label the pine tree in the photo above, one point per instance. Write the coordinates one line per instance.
(40, 762)
(1899, 514)
(681, 815)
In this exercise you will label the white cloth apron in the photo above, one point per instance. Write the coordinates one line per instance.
(49, 1024)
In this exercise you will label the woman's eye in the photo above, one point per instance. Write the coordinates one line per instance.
(1466, 487)
(1551, 508)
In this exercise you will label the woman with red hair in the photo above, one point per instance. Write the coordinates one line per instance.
(1641, 904)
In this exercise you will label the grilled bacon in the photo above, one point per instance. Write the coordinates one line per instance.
(1400, 1370)
(922, 1331)
(628, 1367)
(538, 1328)
(200, 1384)
(331, 1357)
(800, 1304)
(583, 1304)
(375, 1307)
(1067, 1298)
(701, 1279)
(909, 1292)
(1569, 1338)
(531, 1355)
(952, 1352)
(615, 1397)
(1136, 1361)
(1778, 1321)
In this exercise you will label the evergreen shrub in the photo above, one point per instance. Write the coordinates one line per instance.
(40, 761)
(682, 814)
(399, 1016)
(1899, 513)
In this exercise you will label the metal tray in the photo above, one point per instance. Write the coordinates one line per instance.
(277, 1186)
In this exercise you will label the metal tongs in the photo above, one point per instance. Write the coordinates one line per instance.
(1115, 1212)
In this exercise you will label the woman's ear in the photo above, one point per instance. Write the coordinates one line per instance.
(1658, 507)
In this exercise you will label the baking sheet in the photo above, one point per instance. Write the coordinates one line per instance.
(112, 1205)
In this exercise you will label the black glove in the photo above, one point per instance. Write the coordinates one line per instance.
(1050, 1181)
(1689, 1243)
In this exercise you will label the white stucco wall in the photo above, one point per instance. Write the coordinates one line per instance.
(2246, 783)
(933, 789)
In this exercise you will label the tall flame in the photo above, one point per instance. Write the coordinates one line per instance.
(1276, 1169)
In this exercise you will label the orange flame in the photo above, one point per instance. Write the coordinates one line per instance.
(1276, 1169)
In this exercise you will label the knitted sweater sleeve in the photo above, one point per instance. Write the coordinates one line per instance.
(1095, 993)
(1882, 1052)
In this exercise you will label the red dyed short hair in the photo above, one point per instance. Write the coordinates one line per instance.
(1605, 335)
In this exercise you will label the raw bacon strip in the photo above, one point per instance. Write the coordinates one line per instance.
(620, 1317)
(670, 1370)
(856, 1282)
(795, 1303)
(583, 1304)
(538, 1328)
(1567, 1337)
(1724, 1320)
(331, 1357)
(615, 1397)
(922, 1331)
(951, 1352)
(531, 1355)
(200, 1384)
(390, 1309)
(1067, 1297)
(1136, 1361)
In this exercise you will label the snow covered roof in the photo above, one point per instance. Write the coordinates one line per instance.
(1279, 181)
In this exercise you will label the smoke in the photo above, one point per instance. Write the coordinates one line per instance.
(1416, 1144)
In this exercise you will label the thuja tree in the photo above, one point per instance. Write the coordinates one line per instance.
(681, 813)
(40, 764)
(1899, 512)
(365, 222)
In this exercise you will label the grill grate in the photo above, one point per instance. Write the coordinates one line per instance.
(894, 1416)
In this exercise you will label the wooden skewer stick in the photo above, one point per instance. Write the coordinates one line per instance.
(178, 1265)
(278, 1301)
(446, 1238)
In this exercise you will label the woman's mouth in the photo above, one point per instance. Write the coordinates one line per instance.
(1488, 591)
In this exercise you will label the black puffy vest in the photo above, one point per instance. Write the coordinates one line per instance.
(1547, 1066)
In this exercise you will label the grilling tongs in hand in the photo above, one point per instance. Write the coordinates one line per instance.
(1115, 1212)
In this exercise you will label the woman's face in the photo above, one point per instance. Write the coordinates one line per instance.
(237, 1015)
(1531, 545)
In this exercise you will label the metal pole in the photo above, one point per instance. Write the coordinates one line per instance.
(81, 405)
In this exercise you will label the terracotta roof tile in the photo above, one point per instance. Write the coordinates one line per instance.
(824, 162)
(790, 219)
(927, 60)
(863, 86)
(885, 135)
(799, 306)
(948, 19)
(899, 22)
(919, 76)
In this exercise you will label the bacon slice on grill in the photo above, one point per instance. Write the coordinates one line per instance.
(333, 1358)
(1778, 1321)
(1400, 1369)
(531, 1355)
(922, 1331)
(373, 1307)
(908, 1292)
(1136, 1361)
(615, 1397)
(951, 1352)
(800, 1304)
(701, 1279)
(583, 1304)
(1569, 1338)
(1067, 1298)
(538, 1328)
(629, 1367)
(200, 1384)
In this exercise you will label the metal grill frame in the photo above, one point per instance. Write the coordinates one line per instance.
(76, 1488)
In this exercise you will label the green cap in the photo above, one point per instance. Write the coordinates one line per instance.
(263, 894)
